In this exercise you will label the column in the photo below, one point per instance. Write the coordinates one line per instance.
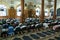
(42, 12)
(22, 11)
(54, 16)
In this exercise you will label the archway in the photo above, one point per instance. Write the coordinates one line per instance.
(19, 11)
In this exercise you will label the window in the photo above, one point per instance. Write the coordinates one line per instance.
(37, 11)
(58, 12)
(19, 11)
(52, 12)
(46, 12)
(3, 10)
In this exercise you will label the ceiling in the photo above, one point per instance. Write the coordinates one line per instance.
(15, 3)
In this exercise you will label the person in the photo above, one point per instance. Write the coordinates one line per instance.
(17, 30)
(4, 32)
(56, 26)
(0, 29)
(5, 26)
(45, 25)
(10, 30)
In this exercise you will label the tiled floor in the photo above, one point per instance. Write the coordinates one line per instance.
(40, 35)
